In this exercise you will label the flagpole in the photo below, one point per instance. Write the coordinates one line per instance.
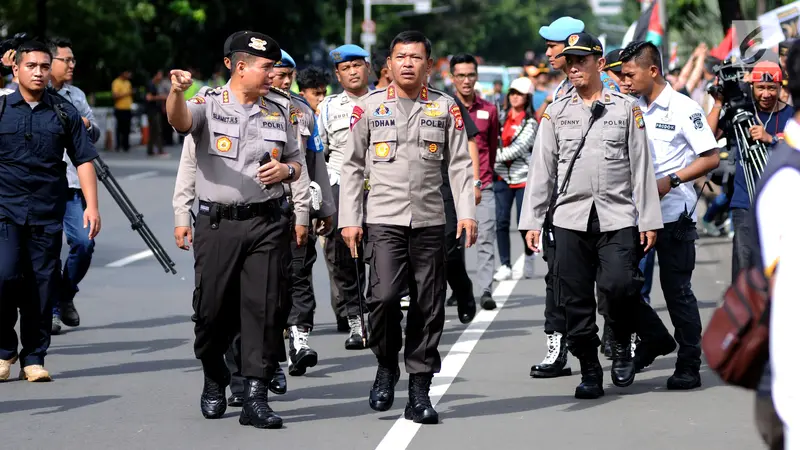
(662, 15)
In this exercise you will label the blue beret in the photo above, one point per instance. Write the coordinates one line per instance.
(561, 28)
(286, 61)
(348, 52)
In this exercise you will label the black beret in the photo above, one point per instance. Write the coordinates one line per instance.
(257, 44)
(226, 49)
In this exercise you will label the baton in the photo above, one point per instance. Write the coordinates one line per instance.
(361, 306)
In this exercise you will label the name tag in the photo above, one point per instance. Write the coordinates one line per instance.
(381, 123)
(273, 125)
(225, 119)
(435, 123)
(483, 114)
(665, 126)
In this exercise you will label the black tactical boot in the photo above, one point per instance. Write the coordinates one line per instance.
(236, 400)
(591, 386)
(419, 408)
(256, 411)
(555, 362)
(684, 379)
(648, 351)
(300, 354)
(216, 379)
(277, 384)
(381, 396)
(623, 370)
(466, 309)
(356, 340)
(69, 315)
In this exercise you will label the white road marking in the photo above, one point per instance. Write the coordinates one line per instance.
(140, 176)
(130, 259)
(403, 431)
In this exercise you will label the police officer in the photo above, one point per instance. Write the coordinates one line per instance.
(402, 134)
(684, 149)
(301, 317)
(242, 232)
(352, 71)
(613, 68)
(596, 209)
(35, 128)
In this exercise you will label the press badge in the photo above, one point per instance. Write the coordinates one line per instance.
(483, 114)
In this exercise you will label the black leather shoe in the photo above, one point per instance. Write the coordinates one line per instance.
(236, 400)
(303, 359)
(591, 386)
(69, 315)
(277, 385)
(647, 351)
(487, 302)
(684, 379)
(466, 309)
(555, 362)
(212, 400)
(381, 396)
(255, 410)
(623, 370)
(419, 408)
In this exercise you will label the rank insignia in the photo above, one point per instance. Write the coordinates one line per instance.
(608, 98)
(226, 97)
(390, 94)
(197, 100)
(423, 94)
(546, 116)
(432, 109)
(575, 99)
(638, 117)
(382, 149)
(224, 144)
(456, 113)
(433, 147)
(275, 153)
(382, 111)
(356, 116)
(263, 102)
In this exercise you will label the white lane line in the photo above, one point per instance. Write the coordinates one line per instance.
(130, 259)
(140, 176)
(403, 431)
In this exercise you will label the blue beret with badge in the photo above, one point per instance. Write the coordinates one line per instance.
(286, 61)
(561, 28)
(348, 52)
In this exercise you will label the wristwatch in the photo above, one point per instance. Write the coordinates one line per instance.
(674, 180)
(478, 184)
(291, 171)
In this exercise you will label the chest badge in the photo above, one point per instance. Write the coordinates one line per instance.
(223, 144)
(432, 109)
(381, 149)
(382, 111)
(274, 115)
(433, 148)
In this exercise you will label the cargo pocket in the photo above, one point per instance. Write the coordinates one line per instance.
(614, 144)
(275, 141)
(432, 144)
(568, 140)
(224, 140)
(383, 145)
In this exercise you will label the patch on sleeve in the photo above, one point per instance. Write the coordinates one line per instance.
(638, 117)
(456, 113)
(197, 100)
(356, 116)
(546, 116)
(697, 120)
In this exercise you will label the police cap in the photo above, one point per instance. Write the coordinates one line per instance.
(286, 61)
(256, 44)
(561, 28)
(582, 44)
(613, 62)
(348, 52)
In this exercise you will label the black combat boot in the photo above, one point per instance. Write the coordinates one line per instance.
(277, 384)
(466, 309)
(256, 411)
(236, 400)
(555, 362)
(591, 386)
(419, 408)
(623, 370)
(647, 351)
(216, 379)
(381, 396)
(686, 377)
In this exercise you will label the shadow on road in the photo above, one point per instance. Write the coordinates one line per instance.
(60, 404)
(133, 367)
(139, 324)
(137, 347)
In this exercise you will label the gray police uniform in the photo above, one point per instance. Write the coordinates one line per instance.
(334, 131)
(243, 228)
(403, 143)
(595, 220)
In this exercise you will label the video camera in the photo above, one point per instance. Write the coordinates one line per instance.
(13, 43)
(735, 93)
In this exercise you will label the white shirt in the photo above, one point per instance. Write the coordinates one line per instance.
(677, 132)
(777, 227)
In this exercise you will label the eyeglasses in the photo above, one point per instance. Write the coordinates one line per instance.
(68, 61)
(464, 76)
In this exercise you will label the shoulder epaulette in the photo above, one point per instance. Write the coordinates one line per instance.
(281, 92)
(210, 91)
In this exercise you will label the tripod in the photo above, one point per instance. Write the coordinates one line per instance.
(753, 153)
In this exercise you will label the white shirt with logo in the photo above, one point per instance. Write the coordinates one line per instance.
(677, 131)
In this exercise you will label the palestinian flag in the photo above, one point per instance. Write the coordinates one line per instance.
(648, 27)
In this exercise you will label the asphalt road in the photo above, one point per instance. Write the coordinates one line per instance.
(127, 377)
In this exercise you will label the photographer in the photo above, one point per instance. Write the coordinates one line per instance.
(771, 118)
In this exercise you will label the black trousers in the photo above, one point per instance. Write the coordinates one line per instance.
(342, 269)
(156, 138)
(610, 259)
(242, 283)
(123, 117)
(457, 276)
(746, 251)
(555, 317)
(401, 257)
(29, 279)
(302, 287)
(676, 259)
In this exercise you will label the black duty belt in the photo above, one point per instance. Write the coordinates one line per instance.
(243, 212)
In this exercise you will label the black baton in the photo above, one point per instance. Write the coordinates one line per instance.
(360, 305)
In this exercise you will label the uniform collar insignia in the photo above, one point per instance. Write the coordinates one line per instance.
(423, 94)
(226, 98)
(390, 93)
(263, 102)
(574, 99)
(607, 98)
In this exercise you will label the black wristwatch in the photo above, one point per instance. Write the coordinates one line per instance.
(674, 180)
(291, 172)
